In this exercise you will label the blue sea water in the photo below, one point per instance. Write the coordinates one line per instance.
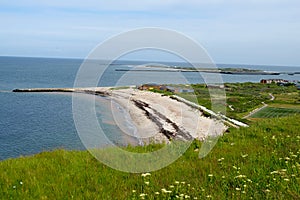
(35, 122)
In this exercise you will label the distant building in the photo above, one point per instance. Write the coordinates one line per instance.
(152, 86)
(270, 81)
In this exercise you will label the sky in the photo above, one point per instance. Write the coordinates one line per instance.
(265, 32)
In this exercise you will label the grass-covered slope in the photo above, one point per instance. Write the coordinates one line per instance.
(260, 162)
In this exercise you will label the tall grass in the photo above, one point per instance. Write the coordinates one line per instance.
(260, 162)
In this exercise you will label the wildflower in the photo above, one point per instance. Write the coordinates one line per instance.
(165, 191)
(195, 198)
(221, 159)
(171, 186)
(244, 156)
(147, 182)
(189, 185)
(245, 185)
(146, 174)
(134, 191)
(183, 182)
(273, 138)
(187, 197)
(267, 190)
(223, 176)
(237, 189)
(286, 179)
(177, 182)
(241, 176)
(208, 196)
(232, 144)
(157, 193)
(14, 187)
(142, 195)
(210, 175)
(274, 172)
(21, 183)
(244, 192)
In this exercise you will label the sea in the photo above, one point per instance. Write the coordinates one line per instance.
(31, 123)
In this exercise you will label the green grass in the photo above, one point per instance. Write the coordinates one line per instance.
(245, 97)
(273, 112)
(260, 162)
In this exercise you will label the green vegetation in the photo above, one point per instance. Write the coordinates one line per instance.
(242, 98)
(260, 162)
(271, 112)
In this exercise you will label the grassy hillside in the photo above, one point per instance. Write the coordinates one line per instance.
(260, 162)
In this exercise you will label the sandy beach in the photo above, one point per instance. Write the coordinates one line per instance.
(159, 118)
(156, 118)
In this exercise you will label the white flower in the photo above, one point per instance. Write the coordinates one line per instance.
(171, 186)
(21, 183)
(157, 193)
(165, 191)
(244, 156)
(142, 195)
(241, 176)
(210, 175)
(147, 182)
(146, 174)
(177, 182)
(133, 191)
(221, 159)
(238, 189)
(14, 187)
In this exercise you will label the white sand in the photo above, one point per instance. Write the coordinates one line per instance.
(165, 111)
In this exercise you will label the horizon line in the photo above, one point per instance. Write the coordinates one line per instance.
(140, 60)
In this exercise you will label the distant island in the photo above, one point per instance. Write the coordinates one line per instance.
(237, 71)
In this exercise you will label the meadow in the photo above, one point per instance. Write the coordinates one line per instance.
(259, 162)
(242, 98)
(271, 112)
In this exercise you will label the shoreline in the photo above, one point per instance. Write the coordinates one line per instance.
(157, 118)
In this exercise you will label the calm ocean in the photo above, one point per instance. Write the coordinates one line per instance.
(35, 122)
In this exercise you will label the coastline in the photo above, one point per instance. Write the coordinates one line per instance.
(156, 118)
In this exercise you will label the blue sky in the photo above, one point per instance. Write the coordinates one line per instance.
(232, 31)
